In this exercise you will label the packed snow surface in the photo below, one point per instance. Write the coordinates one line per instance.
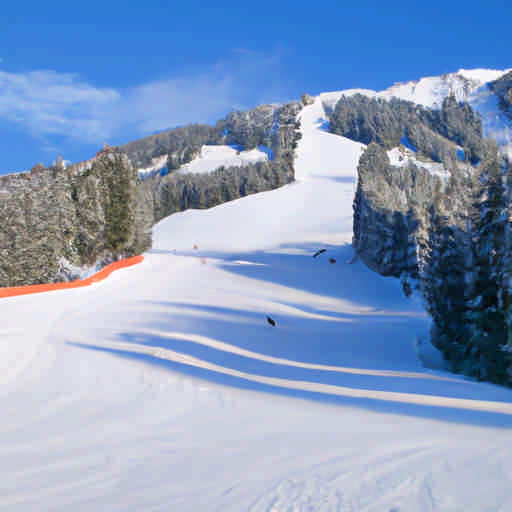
(165, 387)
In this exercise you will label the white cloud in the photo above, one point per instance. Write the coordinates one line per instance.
(48, 103)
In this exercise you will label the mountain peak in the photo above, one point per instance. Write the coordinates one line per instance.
(428, 91)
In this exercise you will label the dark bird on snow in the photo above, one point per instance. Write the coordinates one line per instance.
(271, 321)
(317, 253)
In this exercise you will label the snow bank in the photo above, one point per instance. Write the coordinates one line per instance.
(97, 276)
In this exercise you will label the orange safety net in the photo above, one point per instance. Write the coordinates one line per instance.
(99, 276)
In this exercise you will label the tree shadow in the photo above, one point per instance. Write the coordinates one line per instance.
(337, 179)
(339, 314)
(322, 124)
(445, 414)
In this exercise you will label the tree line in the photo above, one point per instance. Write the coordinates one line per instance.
(467, 277)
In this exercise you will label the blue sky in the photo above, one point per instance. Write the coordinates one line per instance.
(75, 76)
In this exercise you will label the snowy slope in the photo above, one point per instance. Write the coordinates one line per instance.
(495, 122)
(431, 91)
(211, 158)
(164, 387)
(466, 85)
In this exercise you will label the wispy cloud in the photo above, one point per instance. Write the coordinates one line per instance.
(48, 103)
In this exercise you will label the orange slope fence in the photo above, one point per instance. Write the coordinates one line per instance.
(95, 278)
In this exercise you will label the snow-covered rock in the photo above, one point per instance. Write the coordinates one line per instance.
(402, 156)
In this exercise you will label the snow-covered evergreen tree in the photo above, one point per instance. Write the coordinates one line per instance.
(444, 281)
(488, 296)
(467, 276)
(506, 295)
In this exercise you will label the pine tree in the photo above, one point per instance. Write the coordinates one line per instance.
(444, 281)
(485, 317)
(119, 202)
(506, 295)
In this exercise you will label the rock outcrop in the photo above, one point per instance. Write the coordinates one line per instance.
(392, 210)
(390, 213)
(393, 202)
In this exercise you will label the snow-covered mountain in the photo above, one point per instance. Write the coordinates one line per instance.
(466, 85)
(472, 86)
(165, 388)
(429, 91)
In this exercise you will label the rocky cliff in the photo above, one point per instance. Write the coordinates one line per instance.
(394, 199)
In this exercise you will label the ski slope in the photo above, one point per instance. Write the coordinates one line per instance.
(164, 388)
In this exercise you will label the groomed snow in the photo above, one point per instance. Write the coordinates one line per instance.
(164, 387)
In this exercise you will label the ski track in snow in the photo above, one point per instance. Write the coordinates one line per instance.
(164, 388)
